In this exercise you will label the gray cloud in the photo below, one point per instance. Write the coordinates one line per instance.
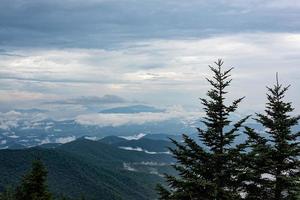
(90, 100)
(4, 52)
(107, 23)
(177, 79)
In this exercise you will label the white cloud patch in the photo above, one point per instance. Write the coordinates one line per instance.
(132, 149)
(9, 119)
(91, 138)
(2, 142)
(13, 136)
(45, 141)
(127, 166)
(13, 119)
(116, 119)
(63, 140)
(142, 150)
(134, 137)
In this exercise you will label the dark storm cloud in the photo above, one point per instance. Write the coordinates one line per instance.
(105, 23)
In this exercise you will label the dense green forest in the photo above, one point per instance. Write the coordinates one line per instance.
(89, 168)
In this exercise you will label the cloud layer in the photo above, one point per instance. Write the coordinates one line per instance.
(118, 119)
(65, 56)
(161, 72)
(106, 23)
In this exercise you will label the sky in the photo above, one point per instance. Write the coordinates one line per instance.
(75, 57)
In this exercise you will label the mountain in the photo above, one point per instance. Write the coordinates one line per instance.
(133, 109)
(49, 145)
(112, 140)
(51, 131)
(110, 154)
(17, 132)
(166, 137)
(92, 168)
(142, 144)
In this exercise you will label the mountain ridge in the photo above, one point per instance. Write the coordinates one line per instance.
(91, 168)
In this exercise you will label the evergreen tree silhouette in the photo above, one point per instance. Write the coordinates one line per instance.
(272, 165)
(210, 172)
(33, 185)
(8, 194)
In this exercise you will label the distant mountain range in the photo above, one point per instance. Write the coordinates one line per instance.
(133, 109)
(18, 133)
(50, 131)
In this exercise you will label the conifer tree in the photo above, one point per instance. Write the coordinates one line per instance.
(7, 194)
(209, 172)
(272, 170)
(254, 163)
(33, 185)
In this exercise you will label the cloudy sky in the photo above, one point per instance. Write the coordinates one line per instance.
(66, 56)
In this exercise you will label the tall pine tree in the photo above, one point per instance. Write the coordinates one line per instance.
(272, 170)
(33, 185)
(209, 172)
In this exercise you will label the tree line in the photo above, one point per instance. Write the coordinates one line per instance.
(264, 167)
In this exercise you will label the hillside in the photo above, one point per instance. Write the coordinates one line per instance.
(150, 145)
(91, 168)
(106, 154)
